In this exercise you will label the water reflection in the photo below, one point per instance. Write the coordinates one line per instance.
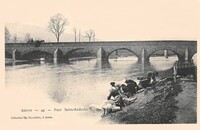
(103, 65)
(162, 63)
(79, 82)
(146, 66)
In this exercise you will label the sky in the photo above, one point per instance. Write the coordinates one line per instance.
(112, 19)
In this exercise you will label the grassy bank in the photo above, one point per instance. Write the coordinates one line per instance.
(155, 105)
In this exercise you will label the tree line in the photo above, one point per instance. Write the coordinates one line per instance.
(14, 38)
(56, 26)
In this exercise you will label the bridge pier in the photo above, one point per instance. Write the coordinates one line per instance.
(100, 65)
(101, 55)
(189, 55)
(166, 53)
(143, 57)
(57, 55)
(15, 55)
(186, 54)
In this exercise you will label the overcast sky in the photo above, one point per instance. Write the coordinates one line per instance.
(113, 19)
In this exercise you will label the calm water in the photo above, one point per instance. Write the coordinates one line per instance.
(79, 83)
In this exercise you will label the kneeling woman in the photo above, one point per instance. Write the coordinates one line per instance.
(114, 101)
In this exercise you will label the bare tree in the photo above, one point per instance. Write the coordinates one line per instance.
(27, 37)
(94, 36)
(79, 35)
(15, 38)
(7, 35)
(90, 34)
(57, 25)
(75, 31)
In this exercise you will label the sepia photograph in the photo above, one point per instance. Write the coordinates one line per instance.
(72, 62)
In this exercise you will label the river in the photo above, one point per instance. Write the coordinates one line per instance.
(77, 83)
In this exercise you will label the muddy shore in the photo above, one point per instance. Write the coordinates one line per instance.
(164, 103)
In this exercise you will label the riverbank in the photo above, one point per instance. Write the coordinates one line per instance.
(8, 61)
(165, 103)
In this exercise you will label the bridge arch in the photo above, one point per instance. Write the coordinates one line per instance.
(79, 52)
(111, 52)
(163, 60)
(37, 54)
(192, 55)
(194, 58)
(179, 56)
(8, 55)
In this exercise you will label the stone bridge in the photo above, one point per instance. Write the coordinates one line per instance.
(142, 49)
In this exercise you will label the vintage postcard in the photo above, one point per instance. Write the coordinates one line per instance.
(88, 64)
